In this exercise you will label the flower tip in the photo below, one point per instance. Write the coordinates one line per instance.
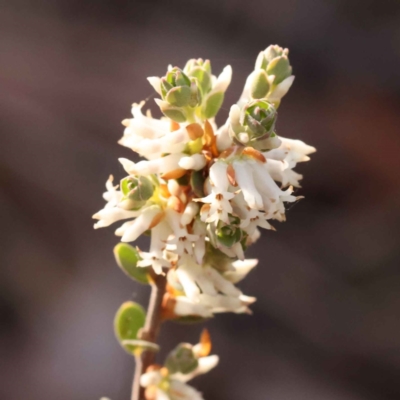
(155, 82)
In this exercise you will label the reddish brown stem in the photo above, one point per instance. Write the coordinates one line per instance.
(149, 333)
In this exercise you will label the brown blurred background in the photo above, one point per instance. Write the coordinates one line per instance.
(326, 324)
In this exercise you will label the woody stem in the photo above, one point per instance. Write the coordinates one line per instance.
(149, 333)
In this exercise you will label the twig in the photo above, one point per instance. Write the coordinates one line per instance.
(149, 333)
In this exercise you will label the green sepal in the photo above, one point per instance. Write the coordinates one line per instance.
(179, 96)
(181, 359)
(280, 67)
(129, 319)
(259, 84)
(203, 77)
(212, 104)
(228, 235)
(127, 257)
(175, 114)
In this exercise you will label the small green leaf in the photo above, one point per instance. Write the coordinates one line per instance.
(129, 319)
(127, 257)
(212, 104)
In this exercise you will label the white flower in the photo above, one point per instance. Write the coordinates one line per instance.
(204, 286)
(219, 198)
(221, 83)
(180, 240)
(131, 230)
(259, 189)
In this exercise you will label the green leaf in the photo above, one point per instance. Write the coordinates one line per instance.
(212, 104)
(127, 257)
(129, 319)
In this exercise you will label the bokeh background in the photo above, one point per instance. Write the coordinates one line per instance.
(326, 324)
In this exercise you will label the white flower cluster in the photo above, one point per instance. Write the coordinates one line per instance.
(203, 192)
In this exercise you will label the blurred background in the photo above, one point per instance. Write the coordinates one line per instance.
(326, 324)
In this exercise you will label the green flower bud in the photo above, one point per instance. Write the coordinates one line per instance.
(228, 235)
(136, 191)
(201, 70)
(179, 90)
(181, 359)
(254, 125)
(274, 61)
(259, 118)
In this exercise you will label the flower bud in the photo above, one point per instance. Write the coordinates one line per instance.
(178, 90)
(254, 125)
(201, 70)
(228, 235)
(136, 191)
(181, 359)
(259, 117)
(271, 69)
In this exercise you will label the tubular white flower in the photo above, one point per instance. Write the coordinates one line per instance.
(244, 178)
(155, 81)
(281, 171)
(281, 89)
(223, 81)
(190, 212)
(205, 364)
(241, 269)
(195, 162)
(219, 198)
(141, 224)
(161, 165)
(185, 306)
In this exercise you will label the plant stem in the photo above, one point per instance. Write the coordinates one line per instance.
(149, 333)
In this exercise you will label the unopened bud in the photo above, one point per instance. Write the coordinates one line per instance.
(228, 235)
(181, 359)
(136, 191)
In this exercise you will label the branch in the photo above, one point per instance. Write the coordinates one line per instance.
(149, 333)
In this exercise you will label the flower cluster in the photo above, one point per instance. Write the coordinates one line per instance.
(202, 192)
